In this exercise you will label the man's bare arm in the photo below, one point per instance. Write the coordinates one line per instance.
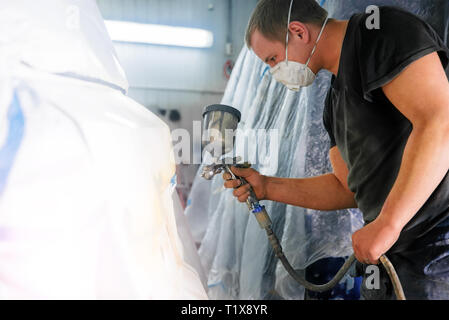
(421, 94)
(326, 192)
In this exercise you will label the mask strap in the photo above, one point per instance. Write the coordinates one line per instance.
(288, 25)
(318, 39)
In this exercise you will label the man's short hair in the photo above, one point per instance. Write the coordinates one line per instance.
(271, 16)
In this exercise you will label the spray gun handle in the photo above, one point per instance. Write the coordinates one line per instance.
(242, 180)
(252, 202)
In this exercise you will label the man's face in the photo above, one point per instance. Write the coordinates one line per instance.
(269, 51)
(273, 51)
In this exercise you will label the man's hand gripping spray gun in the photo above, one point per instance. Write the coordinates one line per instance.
(252, 202)
(219, 121)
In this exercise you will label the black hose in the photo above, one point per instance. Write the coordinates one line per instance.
(394, 277)
(340, 274)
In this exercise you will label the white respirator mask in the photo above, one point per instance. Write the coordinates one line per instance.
(295, 75)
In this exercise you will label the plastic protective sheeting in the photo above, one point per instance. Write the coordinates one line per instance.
(189, 249)
(234, 250)
(60, 36)
(196, 211)
(86, 204)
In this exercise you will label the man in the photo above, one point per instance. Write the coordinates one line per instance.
(387, 115)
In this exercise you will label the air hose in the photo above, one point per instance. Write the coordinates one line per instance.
(310, 286)
(343, 270)
(265, 223)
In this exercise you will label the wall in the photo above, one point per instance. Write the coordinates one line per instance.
(173, 77)
(186, 79)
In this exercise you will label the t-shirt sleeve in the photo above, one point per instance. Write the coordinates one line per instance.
(385, 52)
(327, 120)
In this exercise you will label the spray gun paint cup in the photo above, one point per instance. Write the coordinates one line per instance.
(219, 125)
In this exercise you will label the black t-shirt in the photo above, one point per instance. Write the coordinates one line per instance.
(368, 129)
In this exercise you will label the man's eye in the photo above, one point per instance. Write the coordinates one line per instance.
(273, 59)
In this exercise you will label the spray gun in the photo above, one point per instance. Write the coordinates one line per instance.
(219, 125)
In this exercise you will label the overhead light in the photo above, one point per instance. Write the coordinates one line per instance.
(123, 31)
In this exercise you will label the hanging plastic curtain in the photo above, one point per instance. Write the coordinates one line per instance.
(234, 250)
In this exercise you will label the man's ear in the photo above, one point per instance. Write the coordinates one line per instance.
(299, 30)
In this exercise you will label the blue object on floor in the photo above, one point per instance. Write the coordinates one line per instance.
(322, 271)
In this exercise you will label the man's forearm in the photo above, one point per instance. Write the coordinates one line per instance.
(424, 165)
(320, 193)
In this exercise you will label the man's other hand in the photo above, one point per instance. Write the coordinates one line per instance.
(374, 240)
